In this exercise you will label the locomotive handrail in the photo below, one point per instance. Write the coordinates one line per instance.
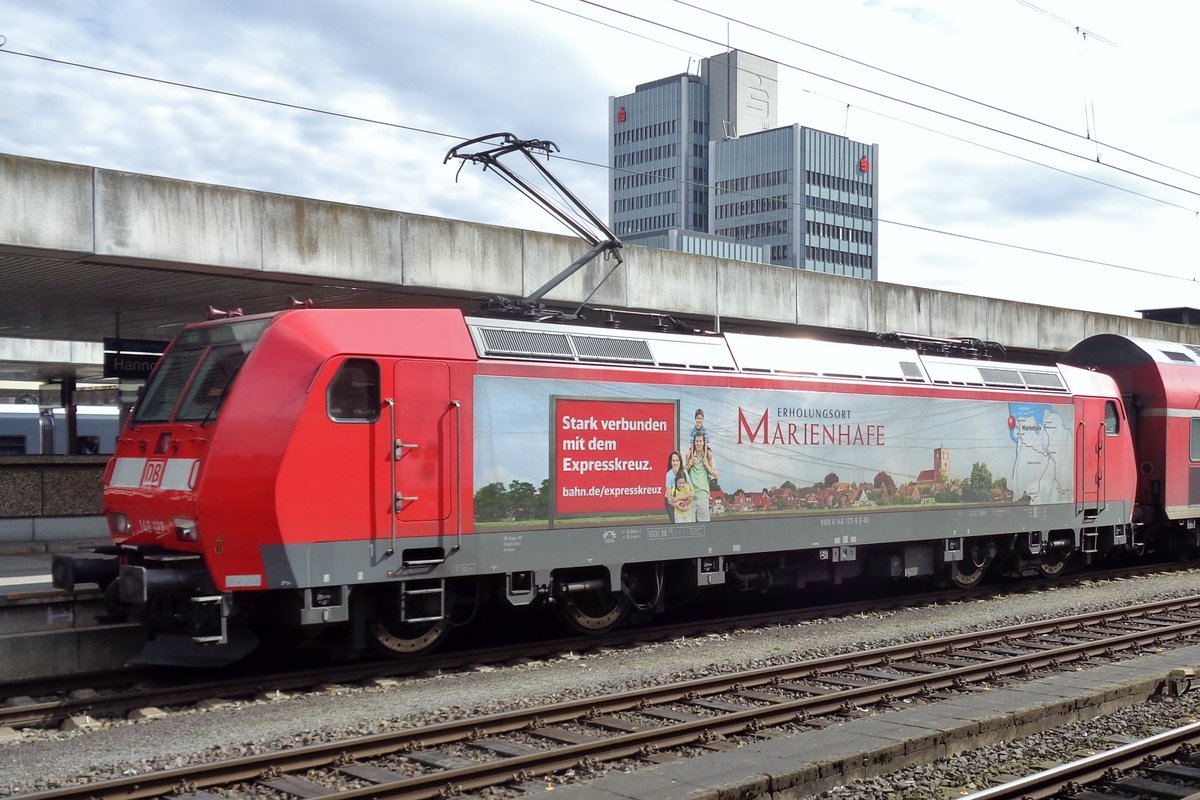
(458, 522)
(1102, 466)
(391, 404)
(1081, 446)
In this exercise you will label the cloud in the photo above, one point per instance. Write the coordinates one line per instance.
(950, 193)
(464, 68)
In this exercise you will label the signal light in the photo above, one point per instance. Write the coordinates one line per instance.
(118, 524)
(185, 530)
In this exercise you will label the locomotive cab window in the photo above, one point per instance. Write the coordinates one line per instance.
(211, 383)
(197, 372)
(353, 394)
(1112, 421)
(1195, 441)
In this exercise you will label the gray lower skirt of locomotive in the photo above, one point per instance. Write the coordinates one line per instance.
(527, 559)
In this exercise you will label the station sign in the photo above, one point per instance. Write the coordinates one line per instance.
(131, 359)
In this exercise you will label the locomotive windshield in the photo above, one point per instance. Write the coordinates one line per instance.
(196, 374)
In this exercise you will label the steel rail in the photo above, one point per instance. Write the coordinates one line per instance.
(787, 711)
(54, 711)
(1050, 782)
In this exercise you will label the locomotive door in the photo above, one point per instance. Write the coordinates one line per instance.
(1090, 456)
(422, 429)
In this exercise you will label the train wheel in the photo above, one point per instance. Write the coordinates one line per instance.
(593, 612)
(1053, 564)
(396, 639)
(967, 574)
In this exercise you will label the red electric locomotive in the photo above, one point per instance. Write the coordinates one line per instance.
(383, 472)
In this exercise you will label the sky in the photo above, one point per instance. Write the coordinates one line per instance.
(1041, 151)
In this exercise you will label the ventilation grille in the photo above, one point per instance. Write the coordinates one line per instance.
(1043, 380)
(963, 374)
(1177, 356)
(512, 341)
(599, 348)
(747, 353)
(504, 341)
(1174, 355)
(1001, 377)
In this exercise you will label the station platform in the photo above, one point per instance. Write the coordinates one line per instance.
(25, 565)
(45, 631)
(24, 573)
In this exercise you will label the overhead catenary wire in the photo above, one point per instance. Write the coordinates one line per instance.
(1067, 22)
(1016, 115)
(426, 131)
(920, 106)
(892, 117)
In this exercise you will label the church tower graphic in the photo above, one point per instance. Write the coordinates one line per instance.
(941, 465)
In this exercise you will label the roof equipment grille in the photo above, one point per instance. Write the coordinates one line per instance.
(968, 374)
(1177, 356)
(755, 354)
(511, 342)
(1001, 377)
(1043, 380)
(600, 348)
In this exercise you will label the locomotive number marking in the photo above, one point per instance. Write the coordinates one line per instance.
(154, 527)
(858, 520)
(675, 532)
(152, 473)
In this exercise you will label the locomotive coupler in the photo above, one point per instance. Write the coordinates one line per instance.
(138, 584)
(67, 572)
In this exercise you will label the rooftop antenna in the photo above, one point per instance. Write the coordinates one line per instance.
(590, 228)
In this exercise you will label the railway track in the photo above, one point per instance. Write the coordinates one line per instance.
(118, 693)
(1166, 765)
(517, 749)
(50, 701)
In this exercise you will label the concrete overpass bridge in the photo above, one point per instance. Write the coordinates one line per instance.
(87, 253)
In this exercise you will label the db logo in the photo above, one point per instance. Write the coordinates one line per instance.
(152, 473)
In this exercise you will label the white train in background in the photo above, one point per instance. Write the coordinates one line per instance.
(30, 430)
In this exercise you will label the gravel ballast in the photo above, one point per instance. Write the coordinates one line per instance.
(43, 759)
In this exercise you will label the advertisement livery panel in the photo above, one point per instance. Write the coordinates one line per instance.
(549, 449)
(606, 454)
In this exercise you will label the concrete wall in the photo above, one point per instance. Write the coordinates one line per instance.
(49, 500)
(100, 216)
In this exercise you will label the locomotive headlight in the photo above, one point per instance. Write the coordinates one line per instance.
(185, 530)
(118, 524)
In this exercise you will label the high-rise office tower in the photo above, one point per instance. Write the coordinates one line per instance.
(698, 164)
